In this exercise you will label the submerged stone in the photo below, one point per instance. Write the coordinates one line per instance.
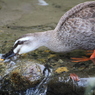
(22, 76)
(63, 85)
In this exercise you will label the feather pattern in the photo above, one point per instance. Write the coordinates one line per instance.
(76, 28)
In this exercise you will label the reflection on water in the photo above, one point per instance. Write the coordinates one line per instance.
(42, 2)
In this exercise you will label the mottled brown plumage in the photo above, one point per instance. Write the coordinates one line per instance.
(75, 30)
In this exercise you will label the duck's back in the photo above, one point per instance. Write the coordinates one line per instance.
(84, 10)
(76, 28)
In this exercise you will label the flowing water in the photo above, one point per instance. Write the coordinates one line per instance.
(11, 66)
(41, 89)
(18, 18)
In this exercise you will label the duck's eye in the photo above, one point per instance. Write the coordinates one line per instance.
(20, 42)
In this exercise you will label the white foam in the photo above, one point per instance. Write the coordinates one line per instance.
(42, 2)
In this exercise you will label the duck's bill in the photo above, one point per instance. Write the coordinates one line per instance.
(8, 55)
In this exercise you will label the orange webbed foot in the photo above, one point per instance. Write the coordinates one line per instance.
(80, 59)
(89, 52)
(92, 57)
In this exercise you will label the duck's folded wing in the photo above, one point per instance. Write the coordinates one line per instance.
(84, 10)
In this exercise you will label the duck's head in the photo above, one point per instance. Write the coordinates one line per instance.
(27, 43)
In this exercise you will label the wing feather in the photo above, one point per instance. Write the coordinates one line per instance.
(84, 10)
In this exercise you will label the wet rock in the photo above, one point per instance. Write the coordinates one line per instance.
(63, 85)
(21, 75)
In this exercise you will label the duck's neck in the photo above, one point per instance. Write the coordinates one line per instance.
(46, 37)
(49, 40)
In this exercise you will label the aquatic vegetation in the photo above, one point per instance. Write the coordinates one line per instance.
(42, 60)
(23, 74)
(52, 55)
(47, 51)
(18, 76)
(61, 69)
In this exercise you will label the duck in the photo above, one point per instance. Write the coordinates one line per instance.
(75, 30)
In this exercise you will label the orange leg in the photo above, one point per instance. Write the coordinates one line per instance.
(89, 52)
(80, 59)
(92, 57)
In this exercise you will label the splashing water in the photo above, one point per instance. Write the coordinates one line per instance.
(41, 89)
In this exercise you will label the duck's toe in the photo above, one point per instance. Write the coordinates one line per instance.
(92, 57)
(80, 59)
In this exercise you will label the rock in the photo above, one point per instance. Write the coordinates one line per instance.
(23, 76)
(63, 85)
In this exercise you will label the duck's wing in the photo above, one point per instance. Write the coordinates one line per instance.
(84, 10)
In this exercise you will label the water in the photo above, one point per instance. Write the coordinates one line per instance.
(41, 89)
(90, 87)
(42, 2)
(38, 15)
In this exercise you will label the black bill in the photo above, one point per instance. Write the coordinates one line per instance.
(8, 55)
